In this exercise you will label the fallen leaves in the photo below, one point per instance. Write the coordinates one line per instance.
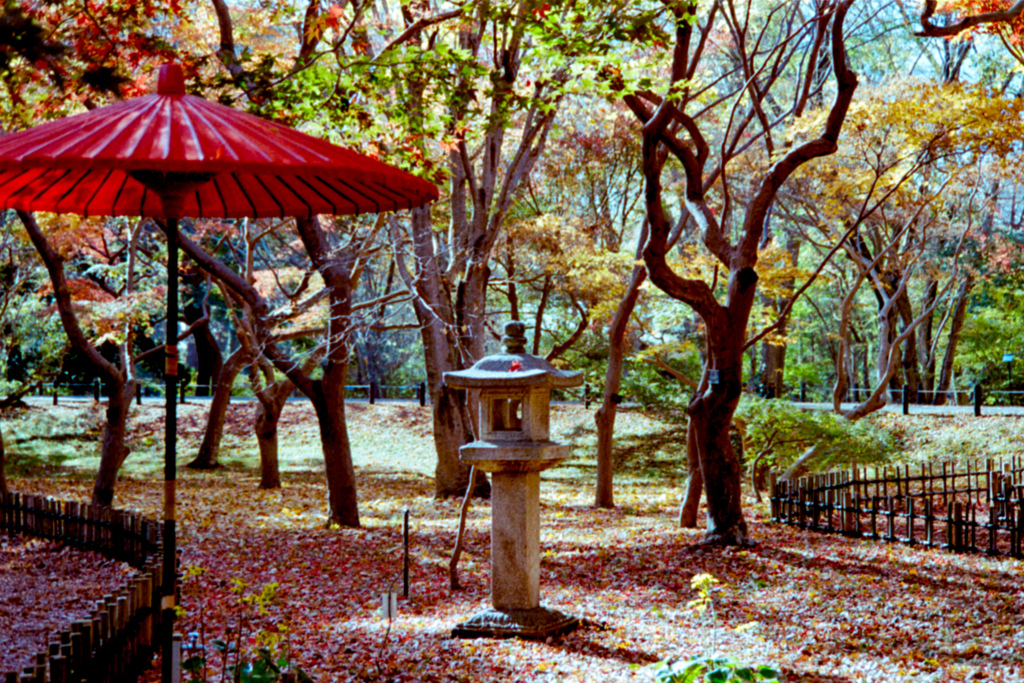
(43, 588)
(827, 608)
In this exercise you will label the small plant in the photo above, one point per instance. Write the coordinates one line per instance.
(715, 670)
(708, 667)
(271, 661)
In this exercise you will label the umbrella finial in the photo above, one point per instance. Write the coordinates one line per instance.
(170, 80)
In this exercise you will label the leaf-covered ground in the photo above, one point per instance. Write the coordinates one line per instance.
(826, 608)
(45, 586)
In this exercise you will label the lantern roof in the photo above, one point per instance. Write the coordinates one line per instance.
(514, 368)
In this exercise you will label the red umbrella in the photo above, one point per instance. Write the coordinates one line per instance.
(170, 155)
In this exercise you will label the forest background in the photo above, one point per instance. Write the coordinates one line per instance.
(832, 196)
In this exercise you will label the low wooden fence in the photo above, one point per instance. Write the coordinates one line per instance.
(117, 640)
(967, 508)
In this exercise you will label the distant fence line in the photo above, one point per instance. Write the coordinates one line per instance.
(971, 509)
(372, 392)
(976, 395)
(117, 640)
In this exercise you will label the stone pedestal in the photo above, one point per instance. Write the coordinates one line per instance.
(515, 540)
(514, 447)
(515, 566)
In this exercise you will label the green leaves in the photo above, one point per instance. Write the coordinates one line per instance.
(713, 670)
(783, 431)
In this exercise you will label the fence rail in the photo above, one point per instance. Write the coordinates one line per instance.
(372, 392)
(117, 640)
(976, 508)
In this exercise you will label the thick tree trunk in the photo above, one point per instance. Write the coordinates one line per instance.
(773, 363)
(694, 481)
(712, 408)
(452, 422)
(328, 399)
(711, 415)
(114, 450)
(605, 416)
(451, 430)
(268, 415)
(209, 449)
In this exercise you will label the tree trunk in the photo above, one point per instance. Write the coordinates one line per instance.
(209, 449)
(3, 465)
(773, 356)
(210, 359)
(114, 449)
(711, 416)
(956, 325)
(925, 352)
(721, 472)
(605, 416)
(268, 414)
(328, 399)
(452, 421)
(460, 537)
(773, 362)
(801, 465)
(694, 481)
(911, 374)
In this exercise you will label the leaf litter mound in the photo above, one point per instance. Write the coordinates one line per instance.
(823, 607)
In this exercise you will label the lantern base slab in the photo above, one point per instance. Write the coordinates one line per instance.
(538, 622)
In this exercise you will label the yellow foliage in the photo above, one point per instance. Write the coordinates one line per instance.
(572, 255)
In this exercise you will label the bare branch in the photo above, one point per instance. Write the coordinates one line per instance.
(930, 30)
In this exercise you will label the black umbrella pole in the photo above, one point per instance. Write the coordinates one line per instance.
(170, 439)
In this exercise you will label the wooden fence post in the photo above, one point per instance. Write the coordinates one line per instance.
(910, 521)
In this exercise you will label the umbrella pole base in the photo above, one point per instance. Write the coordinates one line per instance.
(536, 623)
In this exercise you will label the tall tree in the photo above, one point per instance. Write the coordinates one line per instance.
(337, 255)
(118, 376)
(449, 276)
(766, 47)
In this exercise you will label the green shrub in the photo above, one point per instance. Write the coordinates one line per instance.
(781, 431)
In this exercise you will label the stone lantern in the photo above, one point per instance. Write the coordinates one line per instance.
(514, 446)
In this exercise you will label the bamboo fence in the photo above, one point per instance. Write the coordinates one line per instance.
(970, 507)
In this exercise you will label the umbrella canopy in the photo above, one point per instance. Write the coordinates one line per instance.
(127, 159)
(170, 155)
